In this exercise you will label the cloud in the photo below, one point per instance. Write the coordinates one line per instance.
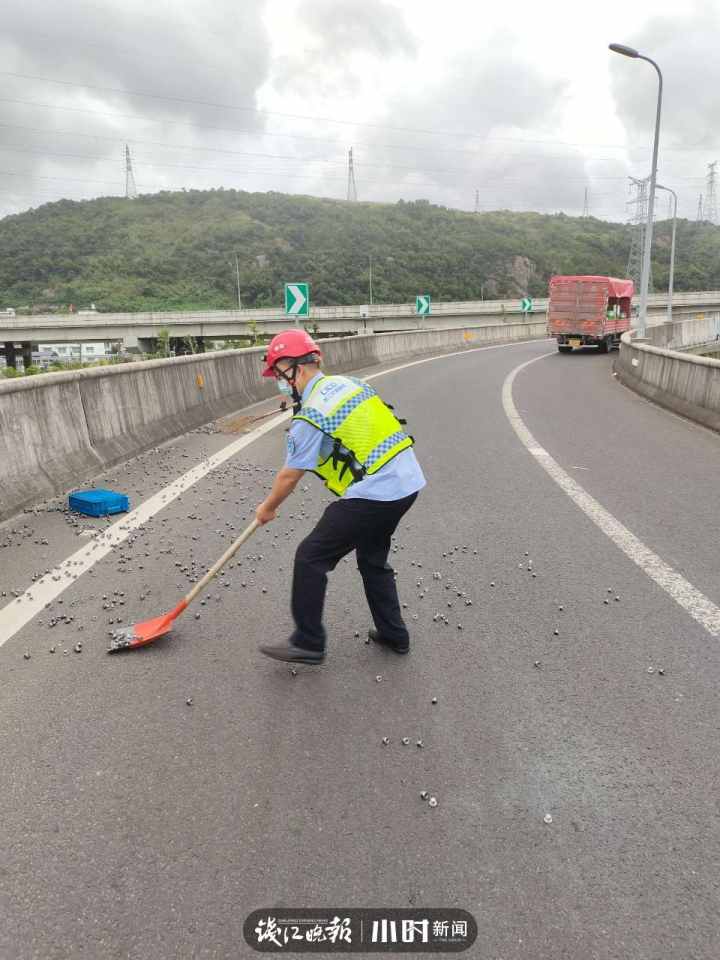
(684, 45)
(494, 117)
(346, 27)
(204, 52)
(685, 48)
(64, 139)
(343, 37)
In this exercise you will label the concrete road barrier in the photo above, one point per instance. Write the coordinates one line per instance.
(682, 382)
(58, 430)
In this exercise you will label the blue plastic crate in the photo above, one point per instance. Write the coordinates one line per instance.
(98, 503)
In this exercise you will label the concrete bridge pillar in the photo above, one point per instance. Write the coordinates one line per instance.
(10, 355)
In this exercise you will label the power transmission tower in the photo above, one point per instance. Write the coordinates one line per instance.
(351, 188)
(711, 213)
(638, 222)
(586, 206)
(699, 216)
(130, 188)
(477, 201)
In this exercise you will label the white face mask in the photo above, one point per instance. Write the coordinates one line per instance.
(284, 387)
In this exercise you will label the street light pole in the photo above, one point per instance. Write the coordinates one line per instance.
(672, 252)
(645, 274)
(371, 300)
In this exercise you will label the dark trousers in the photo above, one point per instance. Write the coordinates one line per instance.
(365, 526)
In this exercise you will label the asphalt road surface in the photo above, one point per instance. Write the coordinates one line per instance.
(135, 825)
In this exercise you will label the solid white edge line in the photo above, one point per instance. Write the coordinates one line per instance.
(700, 608)
(20, 611)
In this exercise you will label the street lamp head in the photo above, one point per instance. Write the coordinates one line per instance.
(625, 51)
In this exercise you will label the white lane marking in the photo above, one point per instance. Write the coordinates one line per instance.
(681, 590)
(19, 612)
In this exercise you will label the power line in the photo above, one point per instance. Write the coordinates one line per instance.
(295, 116)
(490, 182)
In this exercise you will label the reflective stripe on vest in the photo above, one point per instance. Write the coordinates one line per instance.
(366, 432)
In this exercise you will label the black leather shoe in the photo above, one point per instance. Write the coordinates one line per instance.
(398, 648)
(292, 654)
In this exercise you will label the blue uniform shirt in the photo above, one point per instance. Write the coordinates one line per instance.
(398, 478)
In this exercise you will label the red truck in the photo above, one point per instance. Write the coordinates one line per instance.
(589, 311)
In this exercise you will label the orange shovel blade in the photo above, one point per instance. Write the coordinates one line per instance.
(140, 634)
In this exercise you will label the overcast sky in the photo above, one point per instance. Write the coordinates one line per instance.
(521, 102)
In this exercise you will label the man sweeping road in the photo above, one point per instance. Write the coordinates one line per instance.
(344, 432)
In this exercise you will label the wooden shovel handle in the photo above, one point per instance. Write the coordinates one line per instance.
(217, 567)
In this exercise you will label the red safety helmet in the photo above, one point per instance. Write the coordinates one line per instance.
(290, 344)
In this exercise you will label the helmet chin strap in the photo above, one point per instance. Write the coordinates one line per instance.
(297, 399)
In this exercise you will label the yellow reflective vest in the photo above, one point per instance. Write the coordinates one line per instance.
(366, 433)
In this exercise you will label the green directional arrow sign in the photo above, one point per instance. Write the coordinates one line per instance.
(526, 305)
(297, 299)
(422, 305)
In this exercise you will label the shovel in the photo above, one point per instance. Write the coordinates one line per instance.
(140, 634)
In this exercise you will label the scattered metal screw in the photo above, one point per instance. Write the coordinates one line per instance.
(386, 741)
(378, 678)
(432, 802)
(434, 700)
(189, 701)
(406, 741)
(419, 744)
(424, 795)
(26, 655)
(547, 818)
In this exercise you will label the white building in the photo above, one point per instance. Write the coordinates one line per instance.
(78, 352)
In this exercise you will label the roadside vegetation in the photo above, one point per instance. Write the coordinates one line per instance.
(176, 251)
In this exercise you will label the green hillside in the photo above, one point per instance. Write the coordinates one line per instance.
(177, 251)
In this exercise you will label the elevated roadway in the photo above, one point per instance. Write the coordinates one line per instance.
(140, 330)
(572, 748)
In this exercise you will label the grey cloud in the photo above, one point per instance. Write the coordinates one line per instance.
(341, 30)
(188, 55)
(346, 26)
(498, 98)
(685, 46)
(214, 52)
